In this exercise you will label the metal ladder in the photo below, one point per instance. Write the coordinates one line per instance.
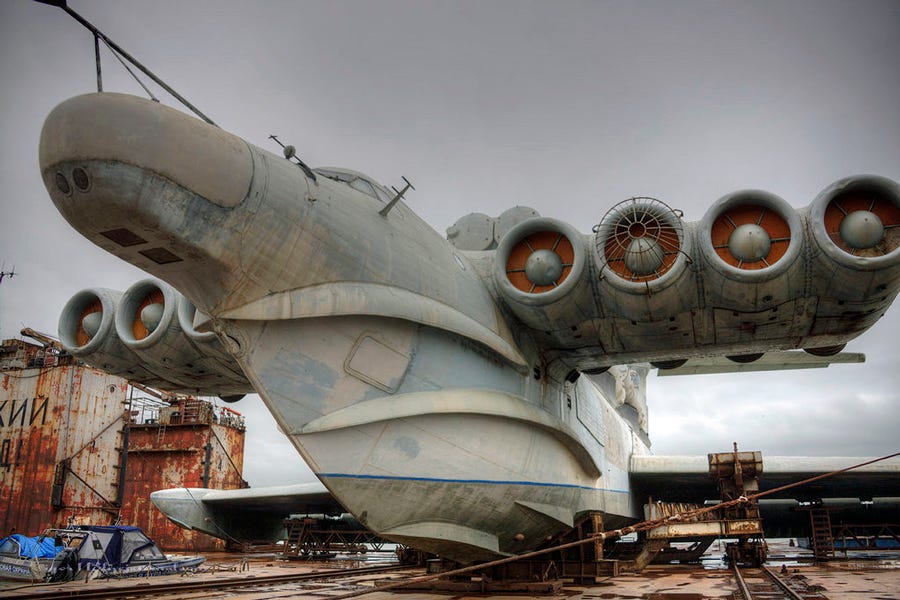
(822, 540)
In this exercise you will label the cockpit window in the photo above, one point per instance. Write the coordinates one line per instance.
(363, 186)
(337, 176)
(357, 182)
(383, 195)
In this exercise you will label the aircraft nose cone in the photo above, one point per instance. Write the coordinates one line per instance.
(123, 129)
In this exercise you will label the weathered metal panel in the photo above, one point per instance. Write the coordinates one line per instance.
(61, 449)
(707, 528)
(58, 426)
(195, 447)
(704, 528)
(745, 527)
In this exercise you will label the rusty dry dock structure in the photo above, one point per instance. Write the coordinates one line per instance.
(81, 445)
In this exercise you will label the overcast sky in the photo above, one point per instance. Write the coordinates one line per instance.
(568, 107)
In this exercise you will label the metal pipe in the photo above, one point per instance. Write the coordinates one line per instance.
(123, 465)
(207, 461)
(97, 59)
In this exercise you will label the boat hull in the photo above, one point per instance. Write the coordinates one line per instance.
(460, 483)
(138, 569)
(24, 569)
(433, 441)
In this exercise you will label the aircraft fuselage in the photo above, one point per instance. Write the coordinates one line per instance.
(435, 390)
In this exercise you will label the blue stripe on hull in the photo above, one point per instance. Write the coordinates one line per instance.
(484, 481)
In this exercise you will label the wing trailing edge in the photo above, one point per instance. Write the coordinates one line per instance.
(686, 478)
(771, 361)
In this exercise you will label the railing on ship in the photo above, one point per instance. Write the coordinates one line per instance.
(146, 410)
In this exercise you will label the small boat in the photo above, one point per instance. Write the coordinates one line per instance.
(123, 551)
(27, 558)
(51, 556)
(92, 550)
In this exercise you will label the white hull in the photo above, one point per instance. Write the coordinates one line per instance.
(505, 481)
(465, 472)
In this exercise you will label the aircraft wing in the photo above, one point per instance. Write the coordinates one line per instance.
(771, 361)
(686, 478)
(244, 514)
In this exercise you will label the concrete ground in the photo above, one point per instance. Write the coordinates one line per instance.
(851, 579)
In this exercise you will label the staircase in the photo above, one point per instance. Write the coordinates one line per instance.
(822, 540)
(294, 545)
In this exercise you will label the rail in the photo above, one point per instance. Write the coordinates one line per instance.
(766, 584)
(144, 589)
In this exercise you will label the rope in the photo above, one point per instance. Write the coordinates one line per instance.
(217, 526)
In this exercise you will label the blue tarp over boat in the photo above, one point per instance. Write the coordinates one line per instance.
(31, 547)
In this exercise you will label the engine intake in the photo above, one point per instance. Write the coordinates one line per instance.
(146, 314)
(641, 240)
(540, 270)
(137, 335)
(87, 331)
(646, 289)
(751, 235)
(856, 222)
(855, 229)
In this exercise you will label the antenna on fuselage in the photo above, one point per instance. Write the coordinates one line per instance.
(387, 207)
(7, 274)
(291, 152)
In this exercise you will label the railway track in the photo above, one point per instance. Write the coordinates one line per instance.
(764, 584)
(340, 579)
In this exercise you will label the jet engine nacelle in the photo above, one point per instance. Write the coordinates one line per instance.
(540, 270)
(754, 281)
(854, 229)
(754, 275)
(646, 287)
(87, 331)
(146, 335)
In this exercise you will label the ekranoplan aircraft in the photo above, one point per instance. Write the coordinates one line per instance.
(467, 395)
